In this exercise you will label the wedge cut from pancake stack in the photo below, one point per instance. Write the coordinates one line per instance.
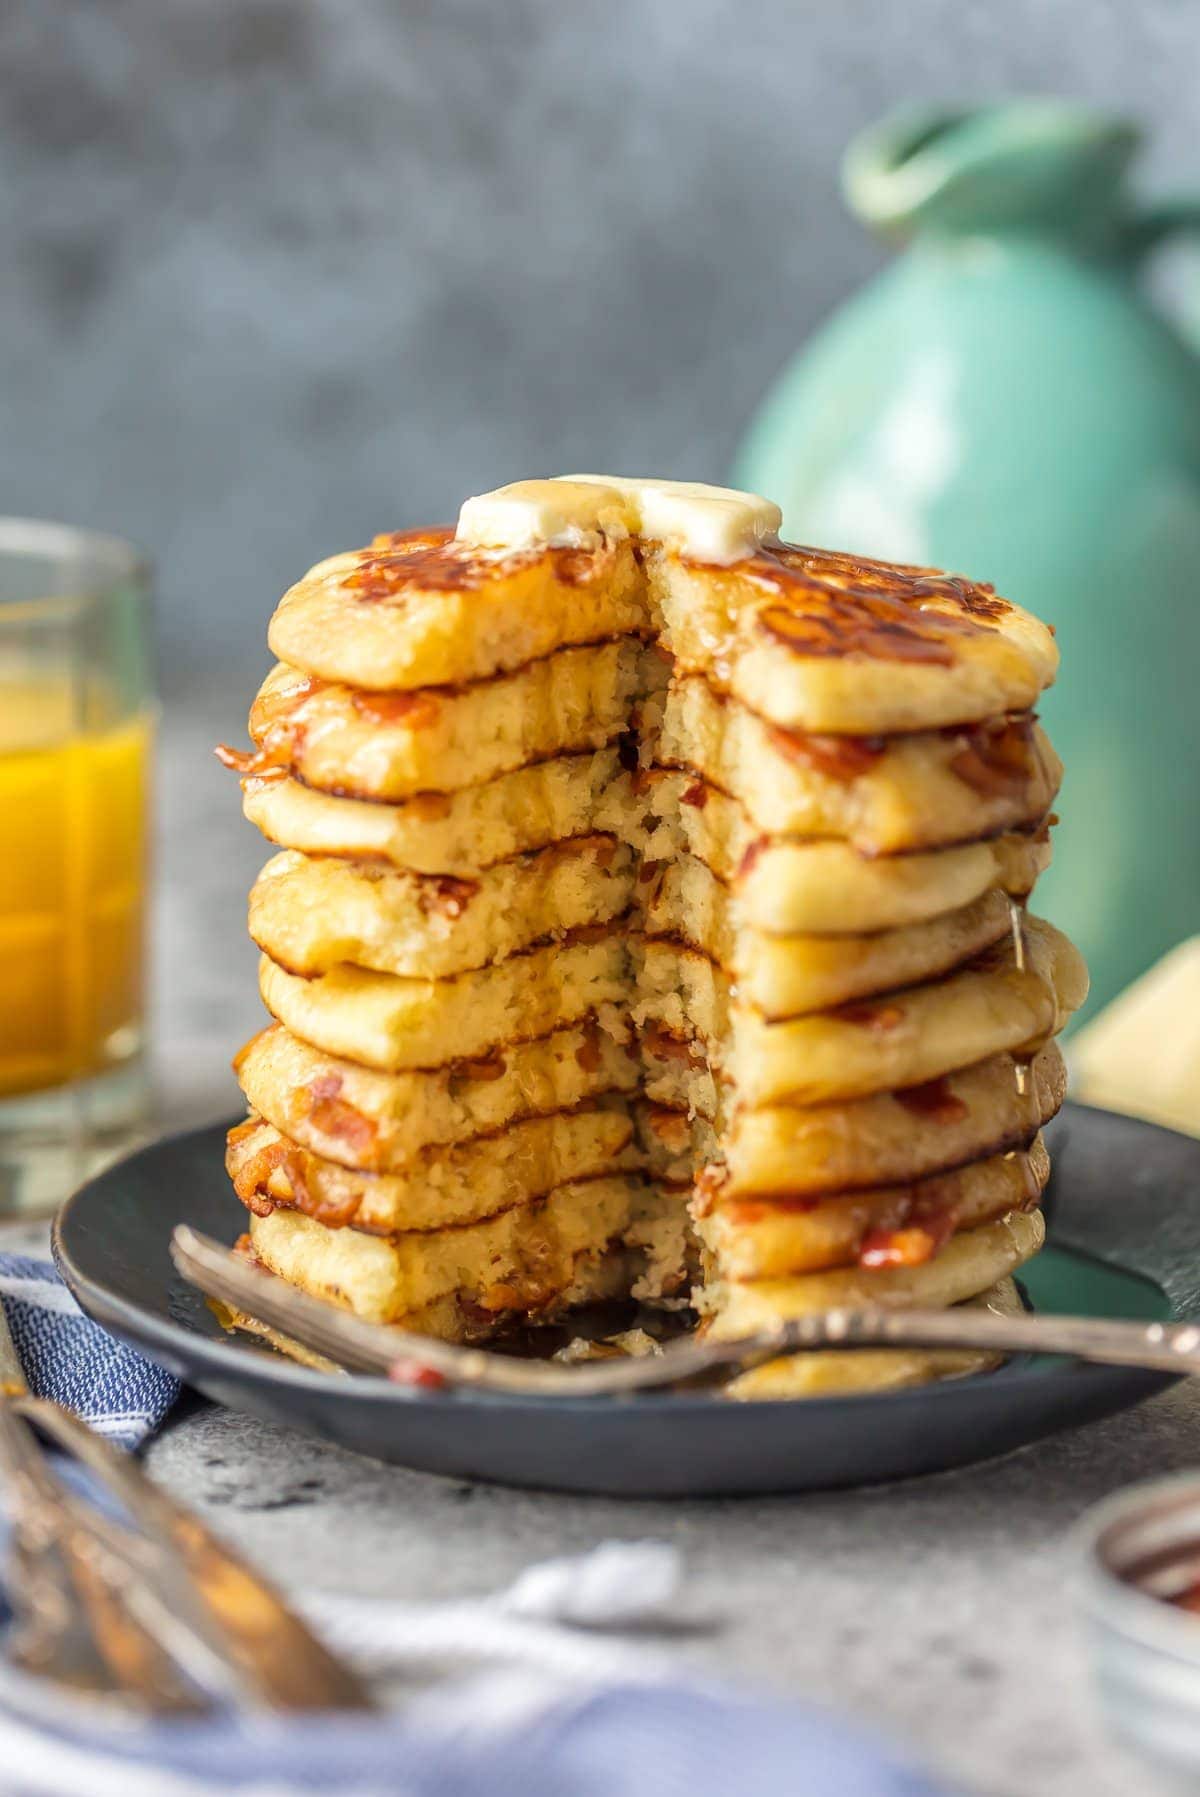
(649, 918)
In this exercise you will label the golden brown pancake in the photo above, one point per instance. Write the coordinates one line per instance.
(885, 1226)
(380, 1122)
(440, 1188)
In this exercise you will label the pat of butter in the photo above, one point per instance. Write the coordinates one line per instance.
(566, 513)
(708, 524)
(1141, 1055)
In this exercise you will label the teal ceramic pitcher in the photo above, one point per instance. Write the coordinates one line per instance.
(1004, 401)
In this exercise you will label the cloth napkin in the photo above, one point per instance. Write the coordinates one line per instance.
(566, 1684)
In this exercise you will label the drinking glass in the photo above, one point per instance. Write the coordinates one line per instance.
(77, 722)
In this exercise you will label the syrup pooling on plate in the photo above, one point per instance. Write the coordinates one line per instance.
(649, 924)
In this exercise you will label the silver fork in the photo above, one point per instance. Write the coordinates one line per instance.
(144, 1605)
(351, 1343)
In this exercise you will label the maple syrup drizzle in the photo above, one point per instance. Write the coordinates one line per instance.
(1017, 919)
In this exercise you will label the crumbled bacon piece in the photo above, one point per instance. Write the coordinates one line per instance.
(415, 1372)
(418, 710)
(871, 1016)
(995, 760)
(336, 1118)
(664, 1045)
(446, 895)
(837, 757)
(671, 1127)
(933, 1099)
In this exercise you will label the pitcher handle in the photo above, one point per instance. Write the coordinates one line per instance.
(1173, 216)
(1176, 215)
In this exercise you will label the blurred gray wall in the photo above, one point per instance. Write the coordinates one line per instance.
(276, 274)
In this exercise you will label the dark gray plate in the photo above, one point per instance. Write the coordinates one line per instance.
(1124, 1214)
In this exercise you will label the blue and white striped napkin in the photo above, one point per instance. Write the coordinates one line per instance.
(564, 1685)
(69, 1358)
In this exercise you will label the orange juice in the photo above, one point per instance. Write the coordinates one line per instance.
(73, 822)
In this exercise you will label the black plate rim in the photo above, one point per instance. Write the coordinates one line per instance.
(142, 1326)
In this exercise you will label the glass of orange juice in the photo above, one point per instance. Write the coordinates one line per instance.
(76, 733)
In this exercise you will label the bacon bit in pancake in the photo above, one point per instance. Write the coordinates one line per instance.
(751, 858)
(273, 715)
(418, 710)
(250, 1179)
(529, 1295)
(671, 1127)
(324, 1207)
(911, 1246)
(660, 649)
(484, 1067)
(248, 761)
(707, 1188)
(588, 1053)
(664, 1045)
(838, 757)
(343, 1122)
(590, 932)
(933, 1099)
(648, 871)
(416, 1373)
(696, 795)
(447, 896)
(326, 1085)
(604, 849)
(996, 760)
(870, 1017)
(429, 807)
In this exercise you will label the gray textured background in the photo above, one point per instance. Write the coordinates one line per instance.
(276, 274)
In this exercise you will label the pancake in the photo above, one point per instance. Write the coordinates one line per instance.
(900, 1039)
(393, 745)
(459, 833)
(887, 1226)
(309, 914)
(829, 1373)
(883, 795)
(812, 639)
(801, 1150)
(521, 1261)
(380, 1122)
(442, 1187)
(783, 976)
(792, 885)
(968, 1264)
(417, 608)
(396, 1024)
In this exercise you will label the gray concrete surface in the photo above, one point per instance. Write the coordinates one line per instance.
(943, 1610)
(281, 273)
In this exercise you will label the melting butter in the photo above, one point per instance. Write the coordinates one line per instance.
(705, 523)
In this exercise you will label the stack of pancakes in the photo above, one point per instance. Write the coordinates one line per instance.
(650, 919)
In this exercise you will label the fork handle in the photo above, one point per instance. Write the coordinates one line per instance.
(1156, 1347)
